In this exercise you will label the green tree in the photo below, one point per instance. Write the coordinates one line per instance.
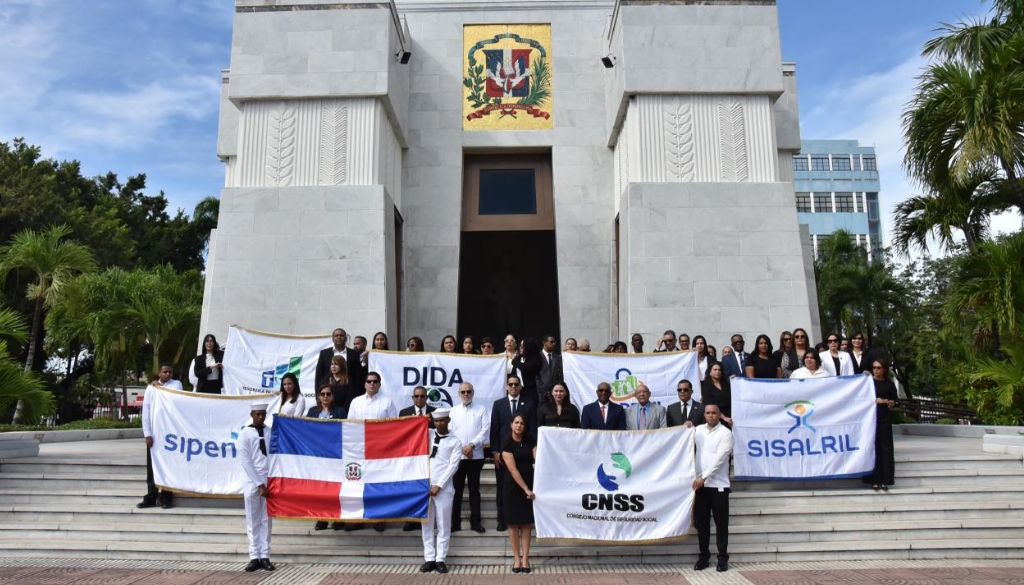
(16, 385)
(52, 261)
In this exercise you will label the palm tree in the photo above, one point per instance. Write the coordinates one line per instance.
(969, 110)
(16, 384)
(53, 261)
(961, 205)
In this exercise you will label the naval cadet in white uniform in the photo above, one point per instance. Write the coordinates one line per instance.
(445, 454)
(252, 448)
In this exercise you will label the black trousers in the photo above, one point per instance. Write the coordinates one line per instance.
(500, 476)
(151, 490)
(468, 468)
(711, 502)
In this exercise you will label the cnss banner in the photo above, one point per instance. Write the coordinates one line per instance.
(660, 371)
(804, 429)
(194, 438)
(441, 374)
(254, 361)
(607, 486)
(349, 470)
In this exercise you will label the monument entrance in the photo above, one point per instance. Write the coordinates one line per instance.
(508, 277)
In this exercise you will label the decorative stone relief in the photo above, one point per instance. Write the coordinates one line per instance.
(333, 143)
(280, 161)
(733, 142)
(678, 123)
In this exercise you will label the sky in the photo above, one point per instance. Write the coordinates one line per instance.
(132, 86)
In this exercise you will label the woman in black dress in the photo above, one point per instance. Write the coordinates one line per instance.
(761, 363)
(558, 410)
(518, 453)
(209, 367)
(715, 390)
(529, 363)
(885, 400)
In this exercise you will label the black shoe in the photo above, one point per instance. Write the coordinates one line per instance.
(321, 525)
(526, 569)
(722, 566)
(410, 526)
(167, 504)
(441, 567)
(254, 565)
(267, 565)
(516, 569)
(428, 567)
(478, 528)
(502, 527)
(145, 503)
(701, 565)
(379, 527)
(351, 527)
(336, 525)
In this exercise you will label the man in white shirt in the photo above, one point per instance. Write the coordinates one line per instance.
(445, 454)
(471, 423)
(252, 455)
(714, 447)
(371, 406)
(154, 496)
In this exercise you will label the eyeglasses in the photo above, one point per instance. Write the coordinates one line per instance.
(423, 396)
(514, 385)
(681, 390)
(786, 339)
(326, 394)
(833, 340)
(800, 336)
(465, 391)
(373, 381)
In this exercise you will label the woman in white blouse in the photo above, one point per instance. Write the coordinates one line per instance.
(290, 401)
(835, 362)
(811, 368)
(704, 359)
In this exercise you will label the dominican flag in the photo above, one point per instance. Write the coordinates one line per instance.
(349, 470)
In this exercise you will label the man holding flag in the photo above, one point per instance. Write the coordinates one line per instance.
(252, 448)
(445, 454)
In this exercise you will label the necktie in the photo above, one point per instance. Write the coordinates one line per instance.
(263, 442)
(419, 411)
(643, 417)
(437, 441)
(603, 418)
(515, 406)
(686, 411)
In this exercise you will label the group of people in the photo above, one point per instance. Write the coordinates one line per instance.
(465, 436)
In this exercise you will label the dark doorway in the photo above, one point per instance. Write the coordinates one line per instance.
(508, 283)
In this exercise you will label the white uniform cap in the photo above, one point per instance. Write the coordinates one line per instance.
(440, 413)
(259, 407)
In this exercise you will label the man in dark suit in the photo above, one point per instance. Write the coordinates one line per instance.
(687, 411)
(356, 373)
(419, 408)
(551, 368)
(603, 414)
(733, 365)
(502, 413)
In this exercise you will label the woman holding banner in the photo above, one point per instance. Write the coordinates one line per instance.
(325, 409)
(518, 453)
(209, 367)
(885, 400)
(290, 401)
(558, 410)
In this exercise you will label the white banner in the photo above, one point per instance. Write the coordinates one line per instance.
(804, 429)
(661, 372)
(440, 374)
(614, 486)
(255, 361)
(194, 438)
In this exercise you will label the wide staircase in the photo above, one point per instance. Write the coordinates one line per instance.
(951, 501)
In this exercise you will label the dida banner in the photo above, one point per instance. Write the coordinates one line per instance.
(819, 428)
(441, 374)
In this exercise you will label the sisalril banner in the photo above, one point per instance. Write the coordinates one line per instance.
(661, 372)
(614, 486)
(441, 374)
(804, 429)
(194, 440)
(254, 361)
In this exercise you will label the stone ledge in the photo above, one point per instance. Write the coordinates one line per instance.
(1008, 444)
(69, 436)
(962, 431)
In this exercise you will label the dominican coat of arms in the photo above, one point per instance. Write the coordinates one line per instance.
(507, 77)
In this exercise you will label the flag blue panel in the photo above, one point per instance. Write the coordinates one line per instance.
(304, 437)
(399, 499)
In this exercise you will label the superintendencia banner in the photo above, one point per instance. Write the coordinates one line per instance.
(254, 361)
(804, 429)
(660, 371)
(607, 486)
(349, 470)
(194, 438)
(441, 374)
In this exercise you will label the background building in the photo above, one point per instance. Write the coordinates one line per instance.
(836, 184)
